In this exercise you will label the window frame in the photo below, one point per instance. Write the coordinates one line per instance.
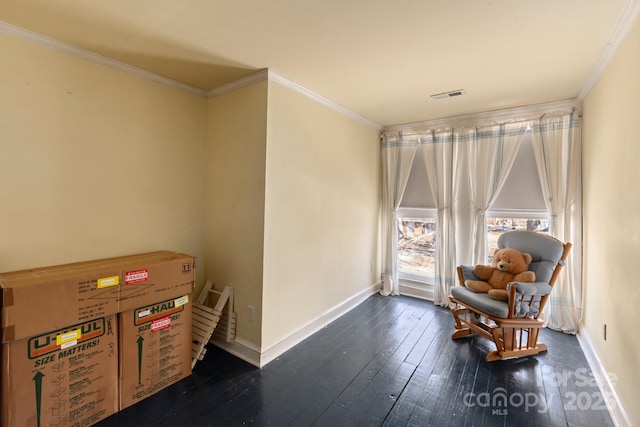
(513, 214)
(518, 213)
(430, 213)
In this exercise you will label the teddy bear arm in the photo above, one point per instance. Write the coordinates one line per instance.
(483, 272)
(499, 294)
(478, 286)
(525, 277)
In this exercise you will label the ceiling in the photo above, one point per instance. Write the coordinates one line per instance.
(381, 59)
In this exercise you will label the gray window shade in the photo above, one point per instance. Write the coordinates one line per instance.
(418, 194)
(522, 190)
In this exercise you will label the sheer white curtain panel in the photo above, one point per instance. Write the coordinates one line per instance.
(398, 151)
(557, 147)
(441, 157)
(491, 151)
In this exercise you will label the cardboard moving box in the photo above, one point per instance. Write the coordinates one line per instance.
(155, 348)
(65, 377)
(43, 299)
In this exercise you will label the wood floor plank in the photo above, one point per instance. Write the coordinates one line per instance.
(459, 380)
(439, 364)
(388, 357)
(390, 361)
(322, 354)
(343, 362)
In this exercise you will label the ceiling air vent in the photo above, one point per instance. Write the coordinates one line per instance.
(449, 94)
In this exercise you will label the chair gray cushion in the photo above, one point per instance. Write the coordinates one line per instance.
(481, 301)
(467, 273)
(545, 251)
(541, 288)
(524, 292)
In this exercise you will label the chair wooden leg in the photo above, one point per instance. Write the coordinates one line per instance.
(457, 312)
(508, 339)
(533, 337)
(512, 337)
(460, 333)
(493, 356)
(511, 343)
(461, 329)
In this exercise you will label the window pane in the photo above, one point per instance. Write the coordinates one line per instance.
(416, 248)
(497, 226)
(522, 190)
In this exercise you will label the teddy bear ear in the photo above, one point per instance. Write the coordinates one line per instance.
(527, 258)
(496, 251)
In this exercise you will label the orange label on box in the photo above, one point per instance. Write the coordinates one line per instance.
(159, 324)
(136, 276)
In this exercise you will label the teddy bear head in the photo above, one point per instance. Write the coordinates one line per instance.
(511, 260)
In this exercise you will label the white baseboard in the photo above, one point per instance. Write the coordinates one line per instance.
(259, 358)
(616, 410)
(241, 349)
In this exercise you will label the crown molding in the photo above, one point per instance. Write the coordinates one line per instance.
(267, 74)
(49, 43)
(275, 77)
(264, 74)
(256, 77)
(622, 28)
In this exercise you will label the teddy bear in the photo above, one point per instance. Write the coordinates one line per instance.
(509, 265)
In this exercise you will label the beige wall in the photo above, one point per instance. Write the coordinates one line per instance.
(321, 211)
(236, 144)
(292, 208)
(94, 162)
(611, 174)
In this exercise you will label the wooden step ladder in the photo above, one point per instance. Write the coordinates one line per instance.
(207, 318)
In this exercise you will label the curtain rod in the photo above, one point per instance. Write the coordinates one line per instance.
(510, 115)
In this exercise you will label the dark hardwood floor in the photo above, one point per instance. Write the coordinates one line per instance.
(388, 362)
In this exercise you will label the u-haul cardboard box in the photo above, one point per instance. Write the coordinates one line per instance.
(43, 299)
(66, 377)
(155, 348)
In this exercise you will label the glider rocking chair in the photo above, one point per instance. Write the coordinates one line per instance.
(513, 325)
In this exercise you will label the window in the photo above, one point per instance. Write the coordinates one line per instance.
(496, 226)
(520, 204)
(522, 190)
(417, 228)
(416, 247)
